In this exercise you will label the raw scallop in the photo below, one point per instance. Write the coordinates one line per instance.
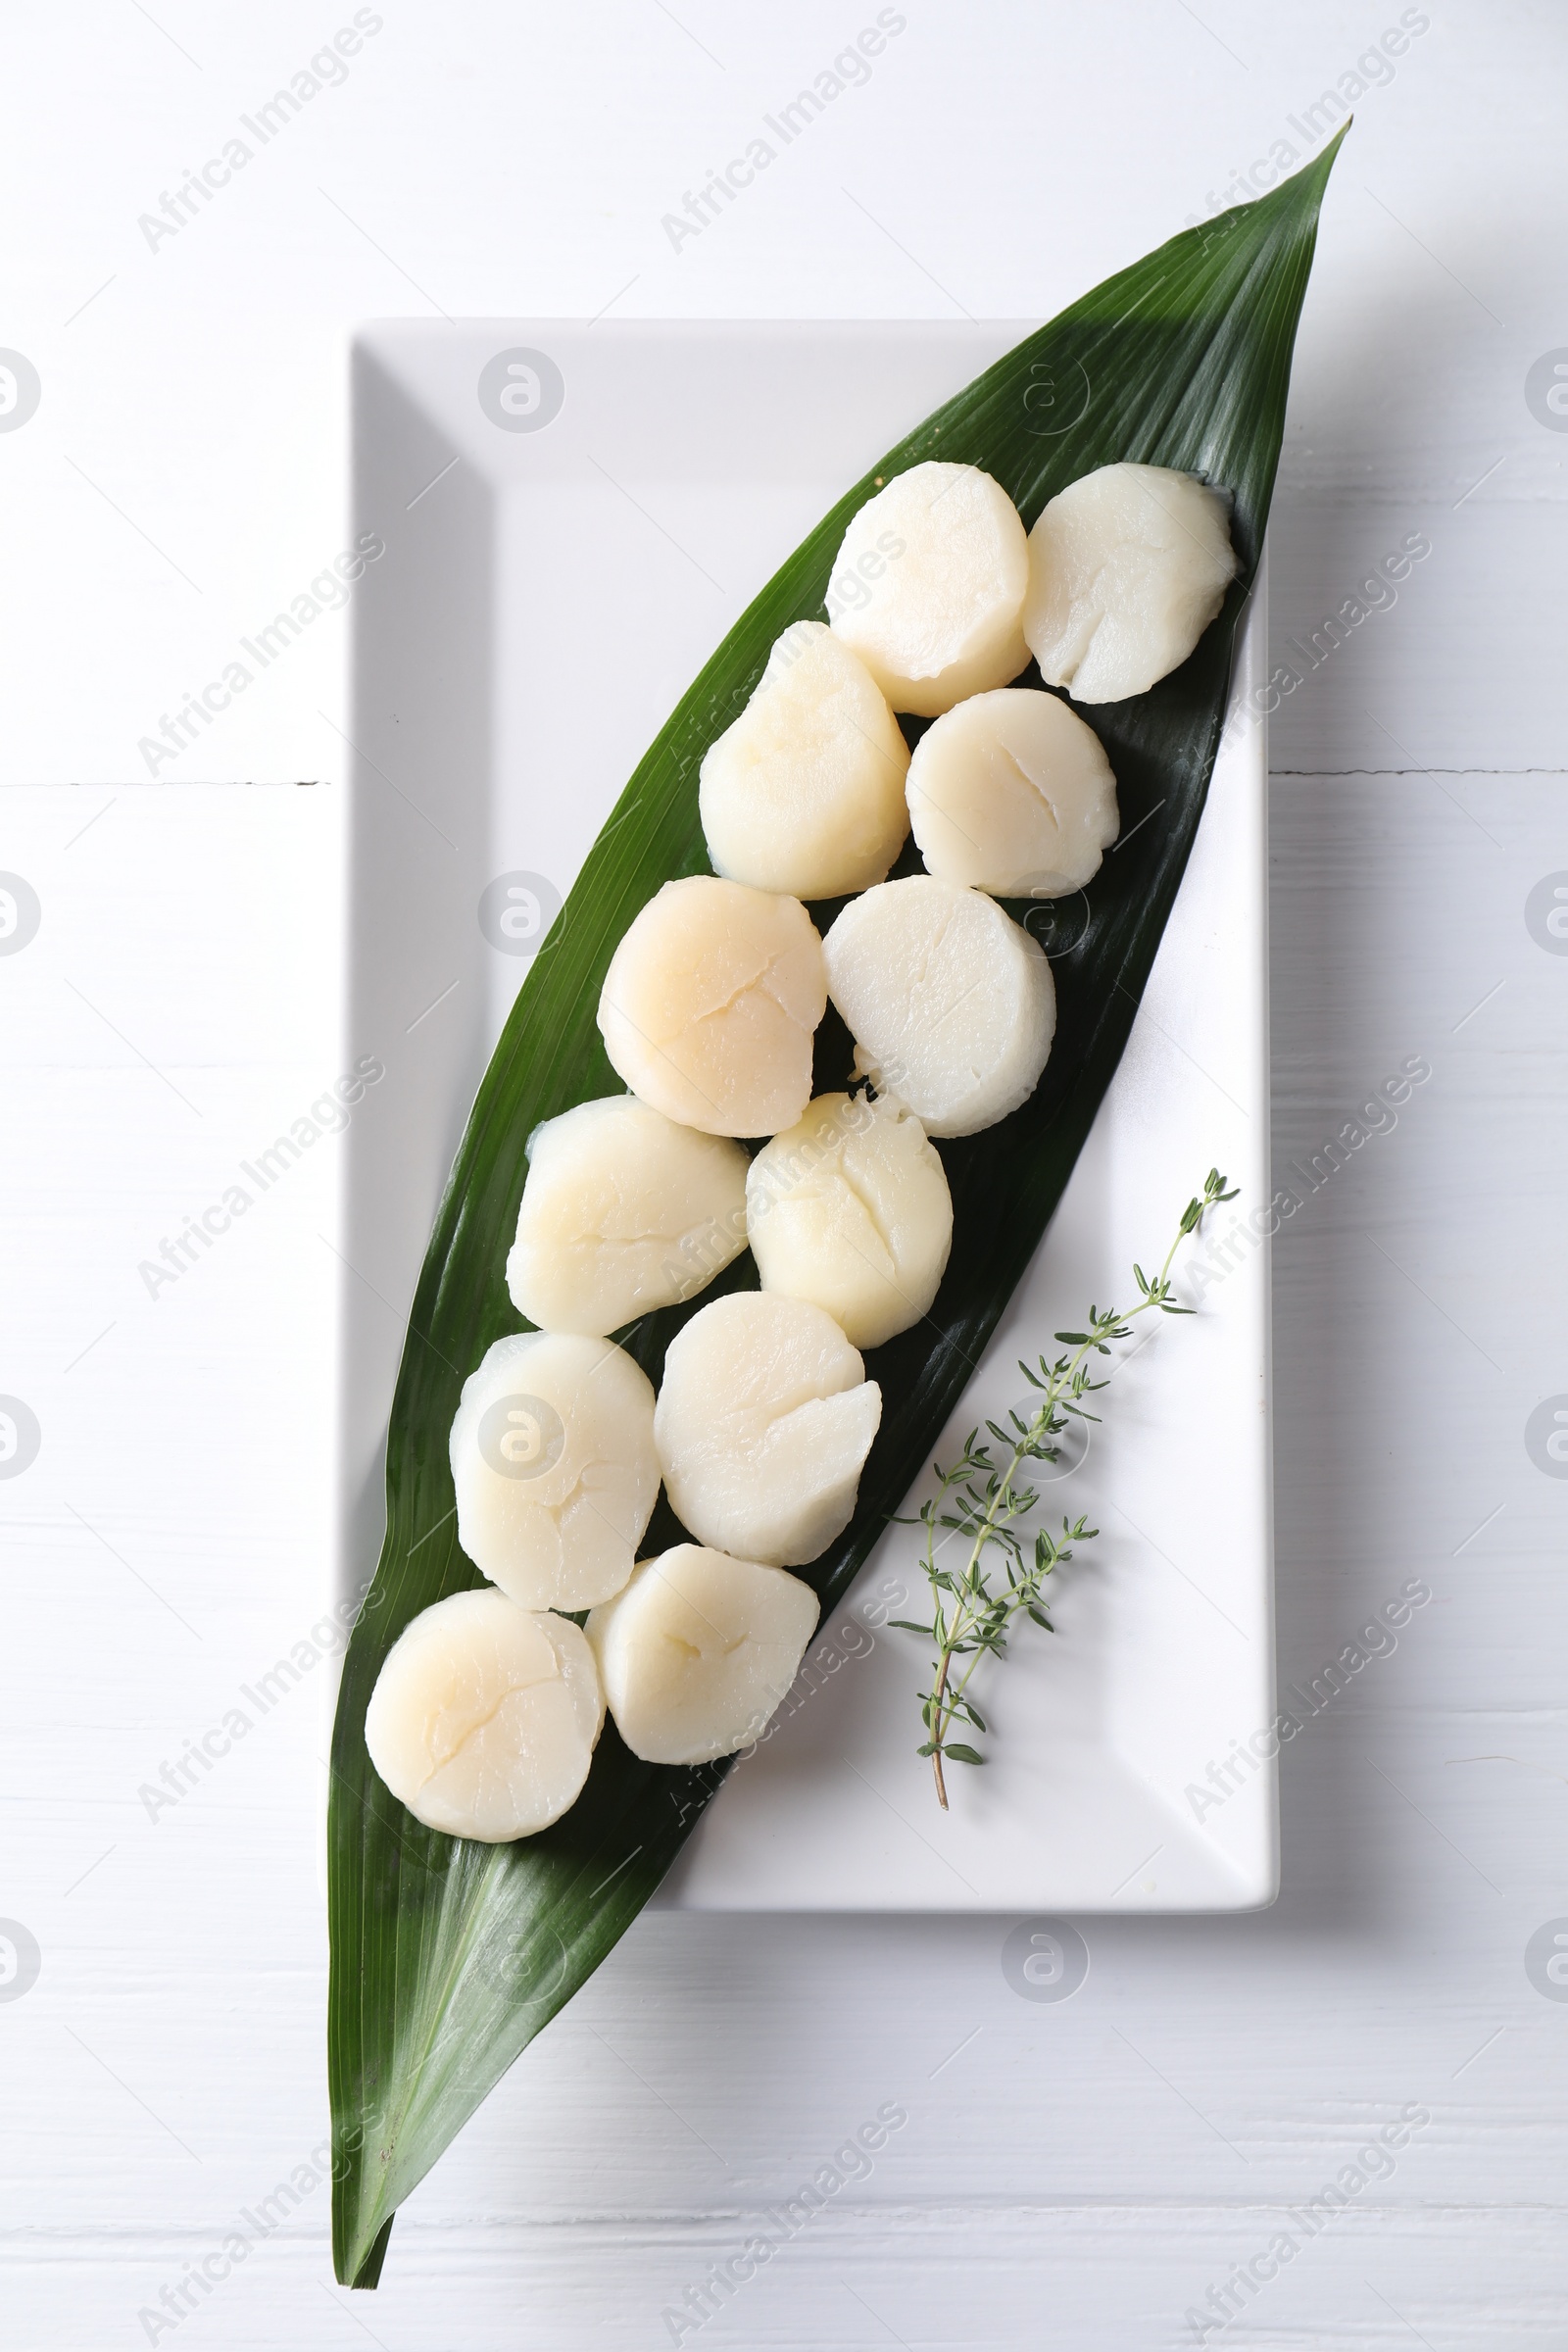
(851, 1209)
(1127, 567)
(698, 1651)
(952, 1006)
(553, 1459)
(622, 1212)
(805, 793)
(763, 1423)
(929, 584)
(1010, 793)
(484, 1717)
(709, 1003)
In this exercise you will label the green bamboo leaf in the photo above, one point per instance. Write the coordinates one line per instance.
(447, 1957)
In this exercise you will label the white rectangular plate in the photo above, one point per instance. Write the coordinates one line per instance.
(547, 593)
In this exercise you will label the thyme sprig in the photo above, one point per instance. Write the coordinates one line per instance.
(972, 1614)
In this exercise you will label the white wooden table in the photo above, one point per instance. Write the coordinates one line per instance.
(1086, 2174)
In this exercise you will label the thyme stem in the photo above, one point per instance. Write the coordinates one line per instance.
(970, 1616)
